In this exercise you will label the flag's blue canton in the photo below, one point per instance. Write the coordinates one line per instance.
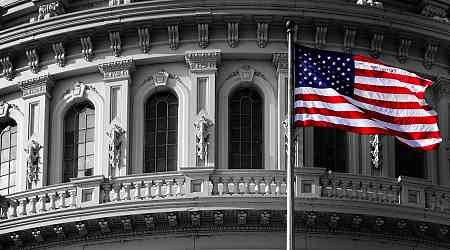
(325, 69)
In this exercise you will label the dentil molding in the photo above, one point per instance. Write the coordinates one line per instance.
(117, 70)
(36, 86)
(202, 60)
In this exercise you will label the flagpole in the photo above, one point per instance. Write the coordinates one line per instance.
(290, 238)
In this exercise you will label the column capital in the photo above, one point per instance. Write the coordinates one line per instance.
(202, 60)
(280, 62)
(117, 70)
(36, 86)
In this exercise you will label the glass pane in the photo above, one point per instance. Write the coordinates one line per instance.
(81, 136)
(80, 163)
(90, 148)
(90, 134)
(161, 124)
(161, 138)
(172, 138)
(4, 169)
(173, 110)
(13, 153)
(90, 161)
(12, 180)
(4, 181)
(90, 121)
(173, 123)
(81, 121)
(172, 152)
(161, 109)
(171, 165)
(161, 165)
(68, 152)
(161, 151)
(81, 150)
(12, 166)
(4, 155)
(13, 139)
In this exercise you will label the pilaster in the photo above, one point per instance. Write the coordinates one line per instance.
(117, 78)
(36, 93)
(280, 62)
(203, 67)
(442, 99)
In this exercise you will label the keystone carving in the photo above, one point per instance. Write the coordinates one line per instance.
(246, 73)
(321, 35)
(370, 3)
(115, 142)
(202, 133)
(232, 31)
(36, 86)
(116, 43)
(60, 54)
(174, 36)
(161, 78)
(349, 38)
(117, 70)
(33, 59)
(77, 90)
(144, 39)
(7, 67)
(403, 49)
(33, 159)
(203, 35)
(202, 60)
(430, 54)
(87, 48)
(376, 44)
(262, 31)
(48, 9)
(375, 150)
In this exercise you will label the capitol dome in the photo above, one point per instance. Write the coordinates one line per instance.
(145, 124)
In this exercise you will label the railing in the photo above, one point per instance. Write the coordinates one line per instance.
(309, 183)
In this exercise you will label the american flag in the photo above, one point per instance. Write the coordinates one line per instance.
(359, 94)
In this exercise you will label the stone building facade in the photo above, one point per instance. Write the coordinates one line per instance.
(159, 125)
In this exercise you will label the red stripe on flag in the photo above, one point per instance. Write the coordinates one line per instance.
(388, 89)
(387, 75)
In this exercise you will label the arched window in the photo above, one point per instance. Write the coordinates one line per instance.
(8, 147)
(408, 161)
(245, 129)
(79, 141)
(161, 124)
(330, 149)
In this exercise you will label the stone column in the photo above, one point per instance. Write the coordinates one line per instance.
(441, 98)
(203, 67)
(117, 78)
(36, 95)
(280, 61)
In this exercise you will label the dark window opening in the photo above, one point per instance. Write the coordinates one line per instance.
(330, 149)
(408, 161)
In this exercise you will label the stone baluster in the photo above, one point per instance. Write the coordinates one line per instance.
(13, 208)
(42, 203)
(158, 185)
(277, 187)
(283, 186)
(127, 190)
(243, 185)
(32, 204)
(138, 190)
(106, 192)
(346, 189)
(220, 186)
(179, 187)
(230, 186)
(23, 206)
(116, 187)
(273, 187)
(169, 185)
(73, 198)
(52, 197)
(256, 187)
(235, 181)
(396, 194)
(148, 189)
(267, 190)
(62, 199)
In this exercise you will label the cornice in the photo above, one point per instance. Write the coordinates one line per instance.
(117, 70)
(78, 21)
(202, 60)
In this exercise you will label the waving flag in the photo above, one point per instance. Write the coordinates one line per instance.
(362, 95)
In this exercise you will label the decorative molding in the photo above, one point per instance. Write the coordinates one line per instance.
(36, 86)
(280, 61)
(218, 218)
(77, 90)
(117, 70)
(160, 78)
(116, 43)
(144, 38)
(87, 48)
(375, 150)
(127, 224)
(174, 36)
(429, 56)
(60, 53)
(265, 218)
(203, 35)
(59, 231)
(242, 217)
(104, 227)
(37, 235)
(195, 219)
(17, 239)
(7, 67)
(349, 38)
(33, 160)
(434, 8)
(33, 59)
(202, 134)
(172, 219)
(246, 73)
(233, 30)
(113, 3)
(370, 3)
(5, 108)
(376, 44)
(202, 60)
(262, 30)
(320, 40)
(48, 9)
(81, 229)
(149, 222)
(115, 142)
(403, 49)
